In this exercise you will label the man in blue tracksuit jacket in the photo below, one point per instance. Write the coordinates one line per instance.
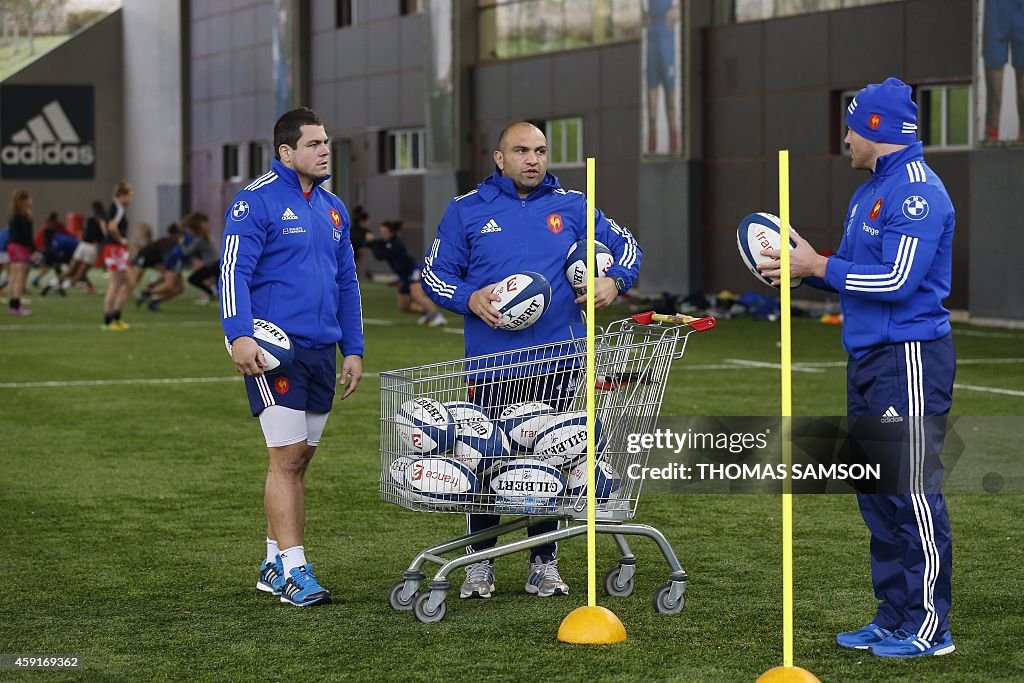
(520, 219)
(892, 272)
(287, 258)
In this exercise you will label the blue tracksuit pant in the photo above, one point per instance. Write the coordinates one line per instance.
(906, 387)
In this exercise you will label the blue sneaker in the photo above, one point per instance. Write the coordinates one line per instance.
(302, 589)
(902, 644)
(271, 576)
(863, 638)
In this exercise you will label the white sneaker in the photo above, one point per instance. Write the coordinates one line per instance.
(479, 581)
(436, 320)
(545, 581)
(422, 320)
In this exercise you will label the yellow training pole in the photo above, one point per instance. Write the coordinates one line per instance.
(787, 412)
(786, 672)
(591, 624)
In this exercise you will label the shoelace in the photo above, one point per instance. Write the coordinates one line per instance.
(304, 576)
(548, 570)
(479, 572)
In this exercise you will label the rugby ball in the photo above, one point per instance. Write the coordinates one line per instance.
(563, 441)
(607, 481)
(464, 411)
(522, 300)
(277, 348)
(440, 479)
(521, 422)
(480, 444)
(425, 426)
(756, 232)
(396, 473)
(576, 264)
(527, 485)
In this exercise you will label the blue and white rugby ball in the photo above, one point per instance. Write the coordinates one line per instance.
(756, 232)
(464, 411)
(522, 300)
(563, 441)
(607, 481)
(440, 479)
(527, 485)
(576, 264)
(277, 348)
(425, 426)
(523, 421)
(480, 444)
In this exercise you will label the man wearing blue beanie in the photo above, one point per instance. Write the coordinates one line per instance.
(892, 273)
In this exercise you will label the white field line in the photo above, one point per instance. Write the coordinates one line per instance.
(989, 390)
(772, 366)
(60, 384)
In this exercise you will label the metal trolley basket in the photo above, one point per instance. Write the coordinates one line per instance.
(633, 358)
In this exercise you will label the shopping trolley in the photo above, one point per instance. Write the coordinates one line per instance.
(632, 359)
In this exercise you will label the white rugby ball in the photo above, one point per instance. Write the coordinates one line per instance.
(607, 481)
(425, 426)
(440, 479)
(563, 441)
(523, 421)
(576, 264)
(277, 348)
(464, 411)
(396, 473)
(522, 300)
(527, 485)
(480, 444)
(756, 232)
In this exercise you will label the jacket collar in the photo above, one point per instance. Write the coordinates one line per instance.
(497, 184)
(291, 178)
(894, 161)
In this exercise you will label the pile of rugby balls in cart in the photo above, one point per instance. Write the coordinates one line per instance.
(530, 458)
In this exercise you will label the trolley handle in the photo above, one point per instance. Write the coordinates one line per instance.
(697, 324)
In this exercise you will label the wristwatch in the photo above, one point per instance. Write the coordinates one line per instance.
(620, 285)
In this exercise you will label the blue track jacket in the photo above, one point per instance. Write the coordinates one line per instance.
(289, 261)
(895, 263)
(491, 233)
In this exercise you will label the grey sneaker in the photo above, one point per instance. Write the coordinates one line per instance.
(422, 320)
(479, 581)
(545, 581)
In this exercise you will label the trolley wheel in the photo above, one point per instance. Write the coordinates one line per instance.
(419, 608)
(662, 603)
(612, 586)
(395, 598)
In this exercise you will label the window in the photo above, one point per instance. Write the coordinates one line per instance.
(410, 7)
(944, 115)
(345, 13)
(259, 158)
(403, 151)
(565, 141)
(514, 28)
(232, 163)
(844, 103)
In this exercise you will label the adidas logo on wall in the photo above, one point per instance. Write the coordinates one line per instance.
(47, 132)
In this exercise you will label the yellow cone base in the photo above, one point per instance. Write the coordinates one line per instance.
(591, 626)
(787, 674)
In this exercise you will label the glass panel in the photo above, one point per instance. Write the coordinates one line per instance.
(555, 142)
(958, 119)
(572, 136)
(934, 116)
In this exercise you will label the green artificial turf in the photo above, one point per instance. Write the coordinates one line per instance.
(133, 524)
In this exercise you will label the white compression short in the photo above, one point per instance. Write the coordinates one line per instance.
(285, 426)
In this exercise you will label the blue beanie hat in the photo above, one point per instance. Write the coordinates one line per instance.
(884, 112)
